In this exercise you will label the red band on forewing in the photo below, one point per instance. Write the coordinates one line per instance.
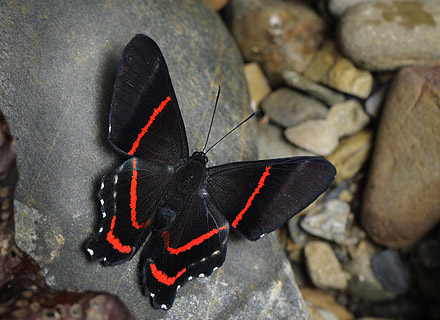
(163, 278)
(116, 243)
(192, 243)
(149, 123)
(133, 200)
(251, 198)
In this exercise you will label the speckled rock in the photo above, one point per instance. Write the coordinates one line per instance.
(389, 34)
(298, 81)
(332, 69)
(277, 34)
(289, 107)
(257, 83)
(318, 300)
(58, 62)
(405, 172)
(348, 117)
(317, 136)
(324, 268)
(351, 154)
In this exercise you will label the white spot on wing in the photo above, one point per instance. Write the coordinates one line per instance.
(190, 278)
(202, 275)
(102, 185)
(105, 259)
(261, 236)
(100, 230)
(102, 202)
(152, 295)
(116, 179)
(164, 307)
(103, 214)
(90, 251)
(178, 287)
(215, 268)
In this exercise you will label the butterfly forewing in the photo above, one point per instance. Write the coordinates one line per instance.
(192, 246)
(128, 197)
(259, 196)
(145, 119)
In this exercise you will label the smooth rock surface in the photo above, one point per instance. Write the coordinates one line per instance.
(317, 136)
(351, 154)
(289, 107)
(324, 268)
(58, 61)
(348, 117)
(257, 83)
(390, 270)
(277, 34)
(401, 198)
(389, 34)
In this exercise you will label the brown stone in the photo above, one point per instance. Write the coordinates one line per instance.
(401, 201)
(257, 84)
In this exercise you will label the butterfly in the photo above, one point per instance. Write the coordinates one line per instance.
(181, 209)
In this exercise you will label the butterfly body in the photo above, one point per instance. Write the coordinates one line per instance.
(180, 208)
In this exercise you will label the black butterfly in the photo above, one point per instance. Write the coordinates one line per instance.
(171, 199)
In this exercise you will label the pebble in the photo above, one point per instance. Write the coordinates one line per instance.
(390, 34)
(277, 34)
(257, 84)
(317, 136)
(324, 268)
(374, 103)
(348, 117)
(288, 107)
(404, 173)
(217, 5)
(363, 283)
(272, 144)
(389, 269)
(333, 222)
(330, 68)
(298, 81)
(351, 155)
(319, 300)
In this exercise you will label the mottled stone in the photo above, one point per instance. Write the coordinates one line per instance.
(217, 5)
(324, 268)
(400, 201)
(272, 144)
(330, 68)
(298, 81)
(289, 107)
(351, 154)
(277, 34)
(257, 84)
(317, 136)
(333, 221)
(348, 117)
(389, 34)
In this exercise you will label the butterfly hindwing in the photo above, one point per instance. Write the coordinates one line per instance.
(145, 119)
(192, 246)
(257, 197)
(128, 197)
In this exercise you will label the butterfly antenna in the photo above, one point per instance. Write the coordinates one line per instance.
(236, 127)
(212, 118)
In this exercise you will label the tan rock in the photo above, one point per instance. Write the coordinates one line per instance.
(217, 5)
(348, 117)
(324, 268)
(317, 136)
(401, 201)
(322, 300)
(330, 68)
(351, 155)
(257, 83)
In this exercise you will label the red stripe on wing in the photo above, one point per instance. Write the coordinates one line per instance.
(163, 278)
(133, 200)
(115, 242)
(149, 123)
(251, 198)
(192, 243)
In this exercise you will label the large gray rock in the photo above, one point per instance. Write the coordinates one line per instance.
(58, 62)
